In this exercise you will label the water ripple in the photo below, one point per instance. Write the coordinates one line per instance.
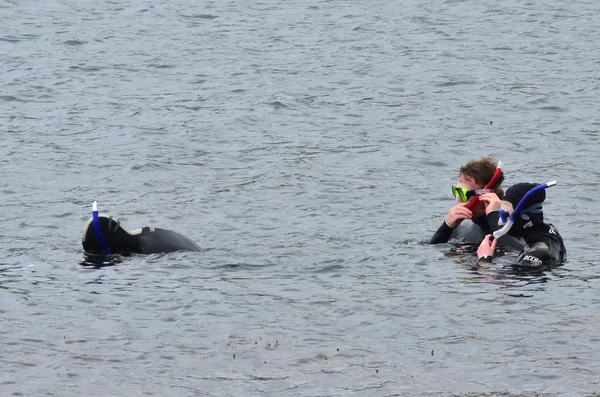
(293, 141)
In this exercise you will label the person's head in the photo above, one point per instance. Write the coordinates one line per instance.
(118, 239)
(476, 174)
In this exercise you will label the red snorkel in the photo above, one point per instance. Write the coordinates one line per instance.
(489, 185)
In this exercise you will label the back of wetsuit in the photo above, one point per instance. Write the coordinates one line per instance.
(544, 243)
(531, 225)
(155, 240)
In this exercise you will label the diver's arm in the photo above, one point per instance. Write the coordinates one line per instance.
(455, 216)
(492, 220)
(442, 235)
(486, 249)
(492, 205)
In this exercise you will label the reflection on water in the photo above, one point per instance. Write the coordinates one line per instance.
(503, 270)
(99, 261)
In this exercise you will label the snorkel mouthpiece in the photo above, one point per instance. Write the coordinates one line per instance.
(98, 230)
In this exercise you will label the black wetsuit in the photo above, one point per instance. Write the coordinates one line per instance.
(544, 243)
(474, 231)
(119, 240)
(154, 240)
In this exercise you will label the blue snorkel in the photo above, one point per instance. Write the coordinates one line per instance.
(98, 230)
(513, 216)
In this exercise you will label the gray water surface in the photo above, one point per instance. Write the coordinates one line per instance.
(308, 147)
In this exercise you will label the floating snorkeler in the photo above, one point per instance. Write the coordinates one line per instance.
(479, 194)
(522, 216)
(105, 236)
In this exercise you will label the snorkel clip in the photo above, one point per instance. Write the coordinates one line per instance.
(504, 215)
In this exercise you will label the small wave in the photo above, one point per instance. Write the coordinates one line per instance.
(329, 268)
(86, 68)
(242, 266)
(149, 165)
(74, 42)
(16, 39)
(161, 66)
(25, 224)
(10, 98)
(277, 105)
(453, 83)
(557, 109)
(200, 16)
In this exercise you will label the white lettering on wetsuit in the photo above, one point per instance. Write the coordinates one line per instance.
(533, 260)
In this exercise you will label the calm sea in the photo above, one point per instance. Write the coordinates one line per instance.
(308, 147)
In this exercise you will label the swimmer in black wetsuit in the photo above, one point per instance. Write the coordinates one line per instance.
(148, 240)
(544, 246)
(472, 179)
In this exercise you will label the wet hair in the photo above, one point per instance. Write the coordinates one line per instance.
(482, 170)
